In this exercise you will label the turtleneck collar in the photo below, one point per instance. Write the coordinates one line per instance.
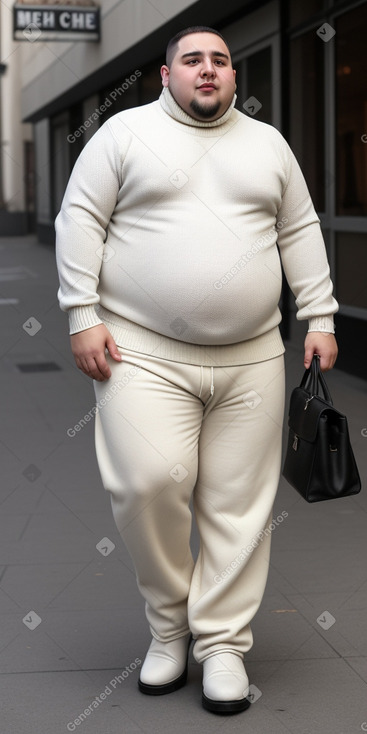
(174, 110)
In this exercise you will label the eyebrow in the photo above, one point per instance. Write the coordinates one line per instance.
(200, 53)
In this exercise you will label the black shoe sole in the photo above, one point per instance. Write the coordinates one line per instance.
(225, 707)
(170, 687)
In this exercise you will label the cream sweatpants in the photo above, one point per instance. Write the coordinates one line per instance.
(166, 432)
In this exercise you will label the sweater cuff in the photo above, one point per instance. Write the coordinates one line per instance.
(81, 318)
(322, 323)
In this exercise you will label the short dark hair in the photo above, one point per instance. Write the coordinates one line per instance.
(172, 44)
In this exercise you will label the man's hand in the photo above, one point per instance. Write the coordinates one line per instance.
(319, 342)
(88, 348)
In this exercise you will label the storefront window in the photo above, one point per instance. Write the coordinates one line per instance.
(307, 112)
(259, 81)
(351, 113)
(254, 79)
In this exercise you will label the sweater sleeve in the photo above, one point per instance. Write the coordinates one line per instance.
(302, 250)
(81, 227)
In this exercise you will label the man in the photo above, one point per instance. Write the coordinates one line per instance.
(169, 269)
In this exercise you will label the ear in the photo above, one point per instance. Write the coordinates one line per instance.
(165, 75)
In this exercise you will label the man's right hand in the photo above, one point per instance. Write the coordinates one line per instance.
(88, 348)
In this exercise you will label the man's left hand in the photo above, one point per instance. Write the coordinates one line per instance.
(319, 342)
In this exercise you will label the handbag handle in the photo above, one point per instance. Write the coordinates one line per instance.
(313, 379)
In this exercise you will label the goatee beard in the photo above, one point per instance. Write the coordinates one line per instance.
(204, 111)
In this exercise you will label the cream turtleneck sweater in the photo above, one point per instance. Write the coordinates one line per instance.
(170, 232)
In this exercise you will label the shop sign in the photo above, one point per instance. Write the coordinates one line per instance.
(54, 22)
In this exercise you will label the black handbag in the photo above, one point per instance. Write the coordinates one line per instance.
(319, 461)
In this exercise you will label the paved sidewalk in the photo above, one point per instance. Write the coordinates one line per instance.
(73, 629)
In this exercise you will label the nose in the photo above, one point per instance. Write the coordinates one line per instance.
(208, 68)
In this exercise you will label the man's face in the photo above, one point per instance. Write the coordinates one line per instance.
(201, 77)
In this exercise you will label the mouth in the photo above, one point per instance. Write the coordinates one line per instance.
(207, 87)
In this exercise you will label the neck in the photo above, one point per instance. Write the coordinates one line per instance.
(173, 109)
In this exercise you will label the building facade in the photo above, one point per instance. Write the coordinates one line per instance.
(300, 66)
(17, 204)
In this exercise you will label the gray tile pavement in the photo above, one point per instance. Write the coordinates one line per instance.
(72, 619)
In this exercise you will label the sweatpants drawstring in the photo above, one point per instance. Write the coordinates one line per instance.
(202, 382)
(212, 384)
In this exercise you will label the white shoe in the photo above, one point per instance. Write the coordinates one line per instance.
(165, 667)
(225, 684)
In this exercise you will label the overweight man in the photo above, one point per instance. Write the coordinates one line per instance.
(175, 223)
